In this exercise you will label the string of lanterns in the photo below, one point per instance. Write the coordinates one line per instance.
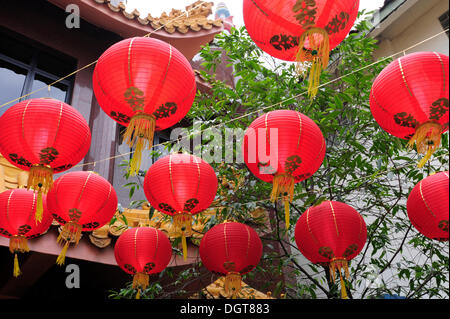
(147, 85)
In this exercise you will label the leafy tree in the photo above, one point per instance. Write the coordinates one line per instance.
(364, 167)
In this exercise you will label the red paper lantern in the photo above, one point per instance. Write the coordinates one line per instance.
(141, 252)
(427, 206)
(43, 136)
(17, 222)
(231, 249)
(300, 30)
(181, 185)
(80, 201)
(409, 100)
(331, 233)
(144, 84)
(296, 147)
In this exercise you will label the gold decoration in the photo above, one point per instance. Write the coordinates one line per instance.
(337, 265)
(40, 179)
(427, 139)
(283, 184)
(318, 53)
(139, 133)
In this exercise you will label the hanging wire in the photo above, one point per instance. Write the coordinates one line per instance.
(94, 62)
(278, 103)
(234, 119)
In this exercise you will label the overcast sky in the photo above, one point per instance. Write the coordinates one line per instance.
(155, 7)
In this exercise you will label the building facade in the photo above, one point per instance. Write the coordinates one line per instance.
(400, 24)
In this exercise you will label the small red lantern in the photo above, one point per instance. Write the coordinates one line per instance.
(300, 30)
(80, 201)
(427, 206)
(296, 150)
(231, 249)
(181, 185)
(17, 222)
(331, 233)
(43, 136)
(141, 252)
(409, 100)
(144, 84)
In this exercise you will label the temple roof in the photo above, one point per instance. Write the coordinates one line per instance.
(195, 20)
(186, 32)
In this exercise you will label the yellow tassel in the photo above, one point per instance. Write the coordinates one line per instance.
(184, 244)
(39, 207)
(427, 139)
(16, 271)
(140, 281)
(62, 256)
(283, 184)
(232, 284)
(182, 227)
(337, 265)
(317, 52)
(139, 134)
(40, 179)
(343, 290)
(286, 213)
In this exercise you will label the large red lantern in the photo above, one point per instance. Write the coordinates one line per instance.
(80, 201)
(409, 100)
(181, 185)
(332, 234)
(141, 252)
(427, 206)
(231, 249)
(296, 149)
(144, 84)
(300, 30)
(17, 222)
(43, 136)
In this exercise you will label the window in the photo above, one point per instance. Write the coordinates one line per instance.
(25, 68)
(148, 156)
(444, 21)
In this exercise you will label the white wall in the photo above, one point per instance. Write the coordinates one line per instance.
(413, 27)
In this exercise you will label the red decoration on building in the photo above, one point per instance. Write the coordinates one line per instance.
(409, 100)
(181, 185)
(295, 147)
(300, 30)
(141, 252)
(231, 249)
(427, 206)
(43, 136)
(17, 222)
(80, 201)
(331, 233)
(146, 85)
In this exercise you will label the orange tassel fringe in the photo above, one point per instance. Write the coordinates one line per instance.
(338, 264)
(140, 282)
(232, 284)
(18, 244)
(40, 179)
(284, 184)
(69, 233)
(427, 139)
(318, 52)
(182, 226)
(139, 133)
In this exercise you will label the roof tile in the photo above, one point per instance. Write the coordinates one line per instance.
(177, 20)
